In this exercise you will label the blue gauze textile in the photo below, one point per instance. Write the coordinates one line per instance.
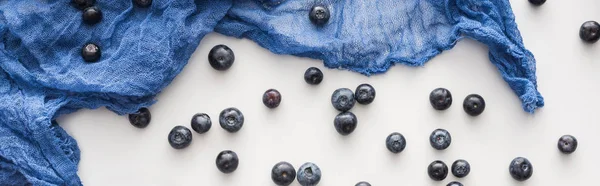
(370, 36)
(42, 74)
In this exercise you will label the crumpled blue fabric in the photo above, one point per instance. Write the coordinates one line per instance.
(42, 74)
(370, 36)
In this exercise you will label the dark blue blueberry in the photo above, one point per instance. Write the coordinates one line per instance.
(363, 183)
(474, 105)
(567, 144)
(461, 168)
(201, 123)
(343, 99)
(590, 31)
(231, 119)
(440, 139)
(345, 123)
(143, 3)
(313, 76)
(537, 2)
(364, 94)
(271, 98)
(454, 183)
(92, 15)
(221, 57)
(283, 173)
(437, 170)
(83, 4)
(309, 174)
(227, 161)
(440, 99)
(319, 15)
(180, 137)
(141, 118)
(520, 169)
(91, 52)
(395, 142)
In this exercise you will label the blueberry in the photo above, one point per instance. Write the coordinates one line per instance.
(231, 119)
(309, 174)
(537, 2)
(319, 15)
(343, 99)
(590, 31)
(474, 105)
(454, 183)
(461, 168)
(283, 173)
(364, 94)
(437, 170)
(92, 15)
(440, 99)
(180, 137)
(271, 98)
(363, 183)
(395, 142)
(83, 4)
(221, 57)
(567, 144)
(143, 3)
(440, 139)
(520, 169)
(91, 52)
(201, 123)
(345, 123)
(313, 76)
(227, 161)
(141, 118)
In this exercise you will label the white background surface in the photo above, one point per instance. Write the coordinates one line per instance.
(115, 153)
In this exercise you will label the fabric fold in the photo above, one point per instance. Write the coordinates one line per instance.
(42, 73)
(371, 36)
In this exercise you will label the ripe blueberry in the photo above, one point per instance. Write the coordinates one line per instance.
(567, 144)
(537, 2)
(437, 170)
(440, 99)
(227, 161)
(363, 183)
(461, 168)
(180, 137)
(221, 57)
(454, 183)
(343, 99)
(313, 76)
(231, 119)
(141, 118)
(440, 139)
(271, 98)
(345, 123)
(283, 173)
(319, 15)
(395, 142)
(309, 174)
(364, 94)
(474, 105)
(590, 31)
(520, 169)
(201, 123)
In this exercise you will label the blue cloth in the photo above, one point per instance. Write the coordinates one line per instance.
(42, 74)
(370, 36)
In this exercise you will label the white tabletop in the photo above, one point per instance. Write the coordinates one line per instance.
(301, 129)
